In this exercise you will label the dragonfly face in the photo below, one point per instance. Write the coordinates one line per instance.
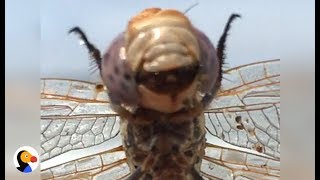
(161, 62)
(160, 75)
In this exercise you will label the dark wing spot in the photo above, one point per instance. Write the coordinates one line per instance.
(238, 119)
(259, 148)
(99, 87)
(240, 127)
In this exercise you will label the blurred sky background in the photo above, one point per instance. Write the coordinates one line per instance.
(252, 38)
(37, 45)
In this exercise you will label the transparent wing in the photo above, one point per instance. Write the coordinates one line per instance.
(243, 124)
(229, 163)
(79, 132)
(109, 164)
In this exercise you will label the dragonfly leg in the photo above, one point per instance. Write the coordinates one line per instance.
(222, 41)
(221, 56)
(93, 51)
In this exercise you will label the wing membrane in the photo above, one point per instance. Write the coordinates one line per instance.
(78, 131)
(109, 164)
(246, 112)
(225, 163)
(79, 91)
(246, 116)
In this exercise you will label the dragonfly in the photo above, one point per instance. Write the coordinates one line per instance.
(81, 133)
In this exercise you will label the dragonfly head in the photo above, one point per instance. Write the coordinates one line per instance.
(161, 62)
(164, 54)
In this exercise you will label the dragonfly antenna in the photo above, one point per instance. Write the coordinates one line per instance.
(189, 8)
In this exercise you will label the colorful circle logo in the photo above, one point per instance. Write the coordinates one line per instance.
(26, 159)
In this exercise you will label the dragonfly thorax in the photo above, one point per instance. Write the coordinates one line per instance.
(162, 145)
